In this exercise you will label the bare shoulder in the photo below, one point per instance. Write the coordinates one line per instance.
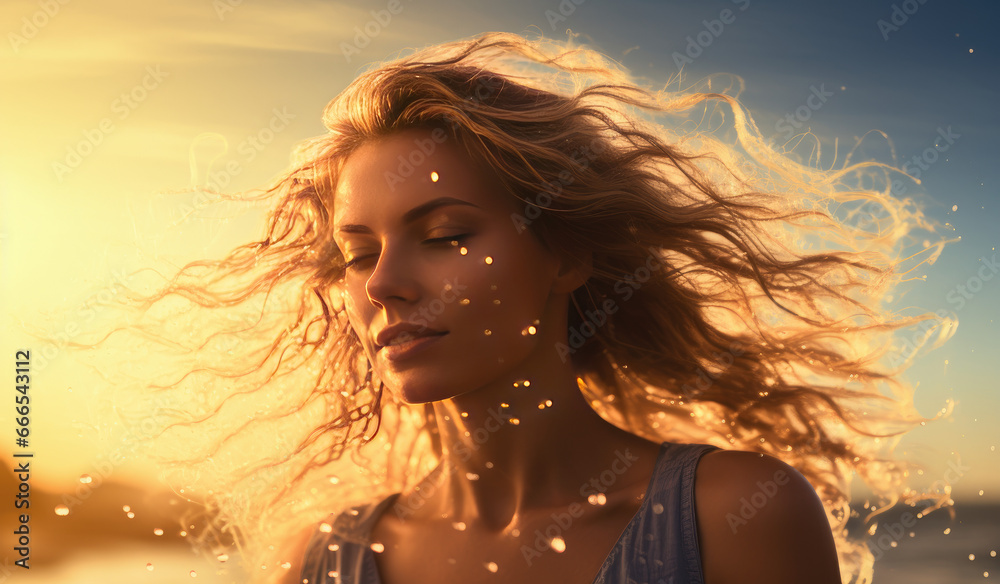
(759, 520)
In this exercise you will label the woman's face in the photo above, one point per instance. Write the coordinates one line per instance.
(434, 255)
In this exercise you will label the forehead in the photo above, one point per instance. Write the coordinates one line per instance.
(393, 174)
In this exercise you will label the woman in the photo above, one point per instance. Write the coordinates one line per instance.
(594, 349)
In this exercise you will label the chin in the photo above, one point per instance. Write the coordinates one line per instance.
(415, 392)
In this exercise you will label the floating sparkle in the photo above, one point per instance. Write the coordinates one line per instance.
(149, 567)
(488, 260)
(492, 566)
(463, 250)
(558, 544)
(377, 547)
(157, 531)
(62, 510)
(86, 479)
(434, 176)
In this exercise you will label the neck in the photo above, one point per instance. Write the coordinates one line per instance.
(524, 444)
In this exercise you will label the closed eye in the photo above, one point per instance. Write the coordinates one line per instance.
(452, 240)
(456, 238)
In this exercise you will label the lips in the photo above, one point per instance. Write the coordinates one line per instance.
(404, 332)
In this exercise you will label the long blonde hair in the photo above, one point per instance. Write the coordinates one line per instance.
(747, 297)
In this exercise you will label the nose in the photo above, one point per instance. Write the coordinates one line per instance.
(392, 280)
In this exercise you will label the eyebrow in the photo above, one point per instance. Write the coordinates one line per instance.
(413, 214)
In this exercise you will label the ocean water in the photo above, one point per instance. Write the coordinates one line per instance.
(925, 554)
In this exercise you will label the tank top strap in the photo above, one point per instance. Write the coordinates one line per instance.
(660, 544)
(338, 552)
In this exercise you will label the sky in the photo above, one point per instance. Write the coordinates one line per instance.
(111, 112)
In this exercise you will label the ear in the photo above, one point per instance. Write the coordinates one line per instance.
(573, 271)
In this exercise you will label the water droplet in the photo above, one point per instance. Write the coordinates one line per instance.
(62, 510)
(286, 565)
(434, 176)
(157, 531)
(657, 508)
(222, 557)
(325, 527)
(954, 207)
(459, 525)
(598, 499)
(993, 553)
(333, 573)
(86, 479)
(130, 515)
(947, 530)
(972, 557)
(514, 421)
(472, 476)
(183, 534)
(515, 532)
(981, 492)
(126, 508)
(194, 574)
(334, 479)
(463, 250)
(527, 383)
(489, 261)
(464, 301)
(558, 544)
(496, 302)
(492, 566)
(149, 567)
(487, 332)
(377, 547)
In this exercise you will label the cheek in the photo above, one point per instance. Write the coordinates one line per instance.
(357, 309)
(506, 298)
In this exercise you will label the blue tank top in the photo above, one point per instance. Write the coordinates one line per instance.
(658, 546)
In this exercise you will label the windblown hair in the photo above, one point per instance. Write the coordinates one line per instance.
(748, 287)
